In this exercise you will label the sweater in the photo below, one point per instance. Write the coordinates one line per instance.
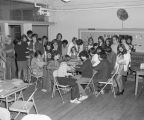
(86, 69)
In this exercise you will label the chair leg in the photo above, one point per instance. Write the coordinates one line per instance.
(101, 90)
(6, 102)
(53, 91)
(113, 90)
(94, 87)
(17, 115)
(61, 95)
(35, 108)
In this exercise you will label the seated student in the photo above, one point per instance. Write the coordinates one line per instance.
(102, 70)
(111, 56)
(64, 78)
(86, 73)
(94, 60)
(54, 64)
(48, 73)
(37, 64)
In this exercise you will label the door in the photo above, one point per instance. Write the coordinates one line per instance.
(41, 30)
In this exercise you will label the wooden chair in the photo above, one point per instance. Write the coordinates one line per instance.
(58, 87)
(24, 106)
(109, 82)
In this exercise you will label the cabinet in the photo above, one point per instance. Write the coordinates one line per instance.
(136, 59)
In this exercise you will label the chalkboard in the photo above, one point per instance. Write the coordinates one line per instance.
(137, 35)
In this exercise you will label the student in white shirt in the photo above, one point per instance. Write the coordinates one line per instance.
(72, 44)
(94, 60)
(65, 78)
(122, 60)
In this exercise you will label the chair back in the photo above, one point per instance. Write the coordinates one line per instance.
(55, 75)
(31, 97)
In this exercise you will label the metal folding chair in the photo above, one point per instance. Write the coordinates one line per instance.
(31, 74)
(58, 87)
(24, 106)
(89, 83)
(12, 98)
(110, 82)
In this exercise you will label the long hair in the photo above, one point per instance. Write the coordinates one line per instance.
(124, 49)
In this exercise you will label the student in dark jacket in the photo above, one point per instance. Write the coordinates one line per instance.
(21, 57)
(86, 72)
(102, 70)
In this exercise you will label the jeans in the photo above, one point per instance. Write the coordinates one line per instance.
(71, 82)
(10, 68)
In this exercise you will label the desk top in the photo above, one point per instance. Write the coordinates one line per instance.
(9, 87)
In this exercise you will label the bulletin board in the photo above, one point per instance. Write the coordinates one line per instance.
(137, 35)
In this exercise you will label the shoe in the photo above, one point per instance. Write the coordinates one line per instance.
(83, 97)
(44, 90)
(102, 92)
(118, 93)
(122, 92)
(75, 101)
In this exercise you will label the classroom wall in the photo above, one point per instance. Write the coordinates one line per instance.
(68, 22)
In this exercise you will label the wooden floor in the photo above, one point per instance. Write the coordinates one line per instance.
(104, 107)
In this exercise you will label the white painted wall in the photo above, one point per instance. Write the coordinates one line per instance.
(68, 22)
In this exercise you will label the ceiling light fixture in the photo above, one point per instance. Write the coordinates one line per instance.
(66, 1)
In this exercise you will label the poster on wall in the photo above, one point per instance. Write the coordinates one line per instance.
(137, 35)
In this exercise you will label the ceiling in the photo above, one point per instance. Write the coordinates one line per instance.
(76, 4)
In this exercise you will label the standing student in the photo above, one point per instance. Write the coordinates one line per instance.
(115, 43)
(39, 45)
(48, 52)
(64, 47)
(123, 59)
(72, 44)
(10, 58)
(21, 53)
(90, 43)
(73, 53)
(59, 42)
(45, 40)
(101, 42)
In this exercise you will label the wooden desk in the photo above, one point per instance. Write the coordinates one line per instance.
(138, 73)
(8, 88)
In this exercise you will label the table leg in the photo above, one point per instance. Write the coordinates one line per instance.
(6, 102)
(136, 85)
